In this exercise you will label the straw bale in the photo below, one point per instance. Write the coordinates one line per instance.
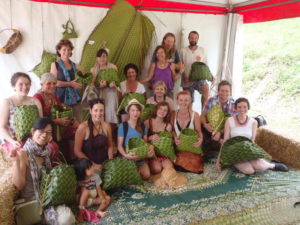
(7, 193)
(280, 148)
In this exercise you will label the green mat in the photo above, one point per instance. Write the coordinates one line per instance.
(226, 197)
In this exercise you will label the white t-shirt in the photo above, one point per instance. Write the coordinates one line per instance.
(245, 130)
(189, 56)
(139, 89)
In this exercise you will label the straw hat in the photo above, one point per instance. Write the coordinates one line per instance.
(169, 178)
(133, 102)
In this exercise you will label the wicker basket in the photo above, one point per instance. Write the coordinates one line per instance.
(165, 146)
(138, 147)
(120, 172)
(240, 149)
(187, 138)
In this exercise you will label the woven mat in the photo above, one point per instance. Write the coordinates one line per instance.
(209, 198)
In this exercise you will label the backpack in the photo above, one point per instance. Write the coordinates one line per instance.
(125, 131)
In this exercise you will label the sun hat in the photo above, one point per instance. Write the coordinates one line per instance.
(133, 102)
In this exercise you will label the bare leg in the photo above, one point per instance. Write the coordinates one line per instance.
(144, 171)
(262, 164)
(205, 93)
(167, 163)
(155, 167)
(245, 167)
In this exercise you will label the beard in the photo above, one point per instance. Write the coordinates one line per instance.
(193, 43)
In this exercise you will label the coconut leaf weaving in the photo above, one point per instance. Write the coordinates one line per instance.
(147, 112)
(120, 172)
(24, 118)
(69, 31)
(109, 75)
(138, 147)
(240, 149)
(165, 146)
(125, 32)
(84, 79)
(61, 111)
(58, 186)
(187, 138)
(128, 97)
(45, 64)
(200, 71)
(217, 118)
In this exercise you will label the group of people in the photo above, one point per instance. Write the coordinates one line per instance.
(91, 142)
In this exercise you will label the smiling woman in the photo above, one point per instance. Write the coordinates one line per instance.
(21, 83)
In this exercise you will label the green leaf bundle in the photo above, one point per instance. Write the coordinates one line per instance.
(200, 71)
(240, 149)
(147, 111)
(61, 111)
(126, 33)
(84, 79)
(45, 64)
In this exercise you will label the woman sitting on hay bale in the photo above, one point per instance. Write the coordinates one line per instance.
(27, 165)
(240, 126)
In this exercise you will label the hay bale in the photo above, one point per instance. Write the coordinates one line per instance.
(280, 148)
(7, 193)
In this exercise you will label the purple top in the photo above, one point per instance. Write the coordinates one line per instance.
(164, 75)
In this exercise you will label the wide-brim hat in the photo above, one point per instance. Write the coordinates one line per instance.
(133, 102)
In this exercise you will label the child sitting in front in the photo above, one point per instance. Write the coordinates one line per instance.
(90, 191)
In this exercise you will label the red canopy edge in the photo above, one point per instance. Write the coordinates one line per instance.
(258, 12)
(269, 10)
(148, 5)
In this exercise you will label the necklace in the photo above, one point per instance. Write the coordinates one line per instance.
(98, 130)
(241, 123)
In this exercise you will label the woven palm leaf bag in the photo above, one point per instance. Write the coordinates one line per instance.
(126, 33)
(165, 146)
(200, 71)
(217, 118)
(24, 118)
(120, 172)
(147, 111)
(187, 138)
(61, 111)
(109, 75)
(126, 99)
(138, 147)
(45, 64)
(84, 79)
(58, 186)
(240, 149)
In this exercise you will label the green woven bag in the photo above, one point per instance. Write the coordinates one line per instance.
(187, 138)
(120, 172)
(138, 147)
(147, 112)
(61, 111)
(126, 99)
(84, 79)
(109, 75)
(45, 64)
(165, 146)
(58, 186)
(240, 149)
(217, 118)
(24, 118)
(200, 71)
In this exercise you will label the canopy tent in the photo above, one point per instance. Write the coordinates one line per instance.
(218, 22)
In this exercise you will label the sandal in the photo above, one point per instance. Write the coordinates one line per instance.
(90, 216)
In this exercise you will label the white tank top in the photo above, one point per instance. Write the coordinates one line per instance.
(245, 130)
(190, 124)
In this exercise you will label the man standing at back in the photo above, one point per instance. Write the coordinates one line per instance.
(189, 55)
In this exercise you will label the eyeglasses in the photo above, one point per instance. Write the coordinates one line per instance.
(48, 133)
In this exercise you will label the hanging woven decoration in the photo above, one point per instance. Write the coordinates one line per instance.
(127, 33)
(45, 64)
(70, 31)
(13, 42)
